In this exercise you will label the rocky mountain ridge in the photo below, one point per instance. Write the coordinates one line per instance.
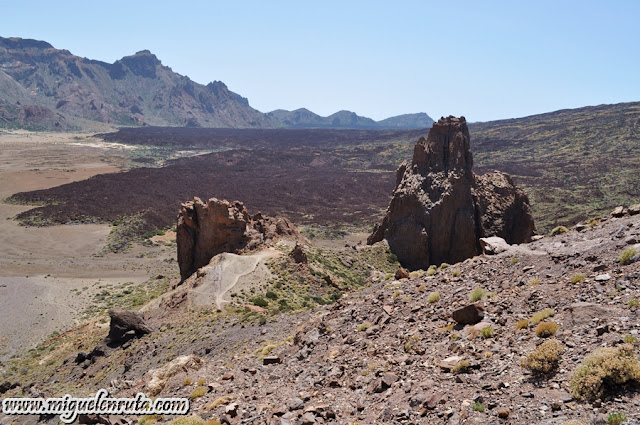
(46, 88)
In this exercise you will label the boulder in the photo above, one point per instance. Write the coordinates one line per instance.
(402, 273)
(634, 209)
(125, 325)
(440, 208)
(493, 245)
(619, 212)
(469, 314)
(207, 229)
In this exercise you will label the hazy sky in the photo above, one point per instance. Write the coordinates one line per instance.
(482, 59)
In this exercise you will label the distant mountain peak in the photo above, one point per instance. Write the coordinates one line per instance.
(23, 43)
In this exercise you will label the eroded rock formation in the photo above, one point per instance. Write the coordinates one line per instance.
(207, 229)
(440, 209)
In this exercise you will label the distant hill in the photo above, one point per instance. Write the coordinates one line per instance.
(303, 118)
(574, 163)
(42, 88)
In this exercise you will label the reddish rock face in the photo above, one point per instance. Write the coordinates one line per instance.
(207, 229)
(440, 209)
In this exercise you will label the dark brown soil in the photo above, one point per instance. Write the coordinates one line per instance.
(297, 184)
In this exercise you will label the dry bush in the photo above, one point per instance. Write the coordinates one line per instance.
(522, 324)
(544, 358)
(546, 329)
(604, 370)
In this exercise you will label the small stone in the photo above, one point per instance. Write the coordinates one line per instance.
(503, 413)
(603, 277)
(271, 360)
(231, 409)
(527, 395)
(308, 419)
(227, 376)
(618, 212)
(634, 209)
(600, 268)
(601, 330)
(450, 362)
(295, 404)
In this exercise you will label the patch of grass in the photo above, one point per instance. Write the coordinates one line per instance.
(544, 358)
(259, 301)
(456, 273)
(616, 419)
(522, 324)
(477, 407)
(559, 230)
(432, 270)
(604, 370)
(633, 303)
(364, 326)
(122, 235)
(198, 392)
(220, 401)
(461, 367)
(193, 420)
(546, 329)
(542, 315)
(264, 351)
(187, 381)
(535, 281)
(630, 339)
(627, 255)
(433, 297)
(577, 278)
(201, 382)
(486, 332)
(477, 295)
(150, 419)
(514, 260)
(444, 266)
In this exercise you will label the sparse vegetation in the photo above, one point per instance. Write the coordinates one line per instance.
(535, 281)
(444, 266)
(633, 303)
(606, 369)
(559, 230)
(544, 358)
(461, 367)
(477, 407)
(616, 419)
(364, 326)
(433, 297)
(627, 255)
(220, 401)
(522, 324)
(542, 315)
(514, 260)
(477, 295)
(546, 329)
(456, 273)
(577, 278)
(192, 420)
(432, 270)
(487, 332)
(630, 339)
(198, 392)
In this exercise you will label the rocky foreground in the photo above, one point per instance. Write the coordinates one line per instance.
(441, 346)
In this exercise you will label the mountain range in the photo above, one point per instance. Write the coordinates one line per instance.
(43, 88)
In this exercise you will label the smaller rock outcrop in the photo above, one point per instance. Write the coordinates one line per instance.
(207, 229)
(124, 326)
(469, 314)
(298, 254)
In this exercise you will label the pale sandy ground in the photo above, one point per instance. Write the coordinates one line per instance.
(39, 267)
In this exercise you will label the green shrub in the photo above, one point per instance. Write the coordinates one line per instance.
(364, 326)
(433, 297)
(477, 295)
(478, 407)
(627, 255)
(544, 358)
(198, 392)
(522, 324)
(444, 266)
(271, 295)
(461, 367)
(456, 273)
(541, 315)
(432, 270)
(559, 230)
(577, 278)
(486, 332)
(616, 419)
(605, 369)
(259, 301)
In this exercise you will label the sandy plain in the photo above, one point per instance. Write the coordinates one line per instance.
(50, 275)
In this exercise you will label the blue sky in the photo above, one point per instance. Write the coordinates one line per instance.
(485, 60)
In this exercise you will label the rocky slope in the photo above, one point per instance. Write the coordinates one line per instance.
(46, 88)
(440, 208)
(396, 352)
